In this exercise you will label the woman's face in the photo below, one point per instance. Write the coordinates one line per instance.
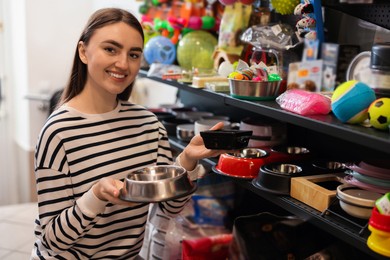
(113, 57)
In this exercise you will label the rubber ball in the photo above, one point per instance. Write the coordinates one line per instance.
(350, 101)
(160, 49)
(195, 50)
(379, 113)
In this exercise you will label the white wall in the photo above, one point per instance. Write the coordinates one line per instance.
(40, 38)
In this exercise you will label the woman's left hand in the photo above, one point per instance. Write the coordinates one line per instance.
(196, 150)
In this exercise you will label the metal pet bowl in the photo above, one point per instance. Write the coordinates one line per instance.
(276, 177)
(254, 90)
(243, 164)
(156, 184)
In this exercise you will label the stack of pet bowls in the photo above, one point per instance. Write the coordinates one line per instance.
(372, 175)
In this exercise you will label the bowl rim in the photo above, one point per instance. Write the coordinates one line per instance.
(365, 202)
(243, 80)
(266, 169)
(232, 156)
(126, 195)
(139, 171)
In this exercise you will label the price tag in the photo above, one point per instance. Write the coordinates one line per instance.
(383, 204)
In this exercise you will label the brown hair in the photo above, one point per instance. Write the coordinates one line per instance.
(99, 19)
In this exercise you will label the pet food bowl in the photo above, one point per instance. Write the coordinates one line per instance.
(254, 90)
(226, 139)
(156, 184)
(276, 177)
(356, 201)
(244, 164)
(328, 166)
(185, 132)
(164, 115)
(284, 153)
(170, 124)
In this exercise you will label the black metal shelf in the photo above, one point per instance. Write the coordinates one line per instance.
(377, 13)
(349, 229)
(324, 124)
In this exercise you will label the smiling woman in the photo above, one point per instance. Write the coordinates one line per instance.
(93, 140)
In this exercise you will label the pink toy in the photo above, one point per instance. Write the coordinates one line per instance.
(195, 22)
(304, 102)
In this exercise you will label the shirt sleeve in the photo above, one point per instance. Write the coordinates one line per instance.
(62, 219)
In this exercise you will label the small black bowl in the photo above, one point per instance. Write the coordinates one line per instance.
(163, 115)
(170, 124)
(226, 139)
(276, 177)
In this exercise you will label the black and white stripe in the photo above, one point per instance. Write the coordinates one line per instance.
(75, 150)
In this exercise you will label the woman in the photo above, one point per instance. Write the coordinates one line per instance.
(92, 141)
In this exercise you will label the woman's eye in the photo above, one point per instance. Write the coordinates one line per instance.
(134, 55)
(109, 49)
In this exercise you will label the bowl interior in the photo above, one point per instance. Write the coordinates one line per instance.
(158, 173)
(250, 153)
(355, 195)
(157, 183)
(291, 149)
(283, 168)
(329, 165)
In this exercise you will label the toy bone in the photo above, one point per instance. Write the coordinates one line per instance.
(306, 22)
(304, 8)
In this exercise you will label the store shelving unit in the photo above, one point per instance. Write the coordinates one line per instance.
(348, 229)
(367, 140)
(377, 13)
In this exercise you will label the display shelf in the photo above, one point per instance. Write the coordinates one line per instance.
(333, 220)
(324, 124)
(377, 13)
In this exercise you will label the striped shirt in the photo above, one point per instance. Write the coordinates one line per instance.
(74, 150)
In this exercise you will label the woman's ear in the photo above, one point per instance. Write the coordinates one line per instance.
(81, 49)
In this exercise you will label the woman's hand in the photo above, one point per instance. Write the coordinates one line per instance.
(196, 150)
(108, 189)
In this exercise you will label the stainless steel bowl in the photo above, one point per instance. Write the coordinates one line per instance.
(276, 177)
(252, 90)
(185, 132)
(283, 168)
(156, 184)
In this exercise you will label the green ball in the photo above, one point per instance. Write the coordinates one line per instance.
(195, 50)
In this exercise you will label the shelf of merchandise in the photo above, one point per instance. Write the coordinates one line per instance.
(325, 124)
(352, 232)
(377, 12)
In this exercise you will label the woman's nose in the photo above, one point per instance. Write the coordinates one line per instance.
(122, 62)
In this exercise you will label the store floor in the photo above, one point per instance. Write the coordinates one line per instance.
(16, 231)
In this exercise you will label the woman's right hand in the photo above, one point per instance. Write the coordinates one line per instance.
(108, 189)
